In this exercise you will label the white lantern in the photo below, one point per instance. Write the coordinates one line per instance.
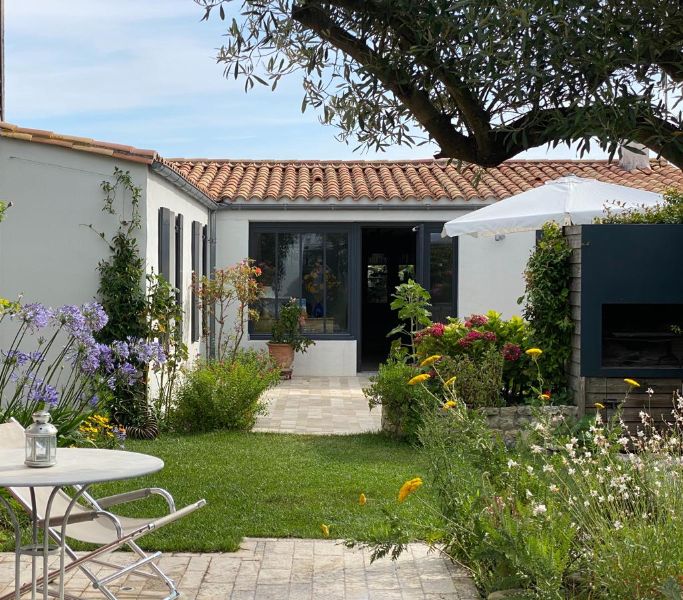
(41, 441)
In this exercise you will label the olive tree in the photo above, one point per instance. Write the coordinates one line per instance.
(483, 79)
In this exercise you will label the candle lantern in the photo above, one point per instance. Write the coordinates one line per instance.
(41, 441)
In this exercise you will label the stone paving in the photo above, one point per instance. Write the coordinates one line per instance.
(320, 406)
(285, 569)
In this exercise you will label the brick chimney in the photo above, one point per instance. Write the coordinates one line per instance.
(636, 156)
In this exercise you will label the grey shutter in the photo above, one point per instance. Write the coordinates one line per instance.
(196, 256)
(178, 280)
(164, 242)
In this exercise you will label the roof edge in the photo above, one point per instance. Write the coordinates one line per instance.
(177, 180)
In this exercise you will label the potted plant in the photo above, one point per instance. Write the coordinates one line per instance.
(287, 337)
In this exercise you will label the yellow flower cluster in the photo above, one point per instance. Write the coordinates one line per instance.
(632, 382)
(430, 360)
(96, 426)
(449, 404)
(325, 529)
(534, 353)
(419, 379)
(449, 382)
(408, 488)
(362, 500)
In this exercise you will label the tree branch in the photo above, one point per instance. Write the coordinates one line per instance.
(418, 102)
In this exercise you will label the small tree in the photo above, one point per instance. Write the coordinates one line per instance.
(229, 295)
(411, 301)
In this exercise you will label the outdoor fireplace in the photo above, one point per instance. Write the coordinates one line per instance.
(631, 301)
(637, 336)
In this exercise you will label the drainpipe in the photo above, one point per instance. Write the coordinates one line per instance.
(212, 269)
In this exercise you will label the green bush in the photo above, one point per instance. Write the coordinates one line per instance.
(401, 403)
(670, 212)
(223, 395)
(478, 381)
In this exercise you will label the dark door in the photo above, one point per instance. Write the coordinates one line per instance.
(388, 259)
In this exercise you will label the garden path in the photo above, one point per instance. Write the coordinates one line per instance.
(319, 406)
(265, 569)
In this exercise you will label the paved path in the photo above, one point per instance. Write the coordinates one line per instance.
(270, 569)
(320, 406)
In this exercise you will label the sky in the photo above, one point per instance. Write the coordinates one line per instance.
(143, 73)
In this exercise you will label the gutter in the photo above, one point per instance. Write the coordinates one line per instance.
(374, 207)
(180, 182)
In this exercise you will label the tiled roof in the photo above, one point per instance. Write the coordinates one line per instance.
(77, 143)
(414, 181)
(238, 181)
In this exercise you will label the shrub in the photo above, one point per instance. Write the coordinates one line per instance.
(287, 327)
(480, 336)
(401, 403)
(547, 305)
(670, 211)
(224, 395)
(478, 381)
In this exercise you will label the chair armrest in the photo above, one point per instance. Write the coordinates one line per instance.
(137, 495)
(84, 517)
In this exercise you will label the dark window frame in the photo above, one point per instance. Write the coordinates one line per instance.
(352, 269)
(424, 272)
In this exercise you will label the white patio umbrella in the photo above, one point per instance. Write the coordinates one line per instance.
(567, 201)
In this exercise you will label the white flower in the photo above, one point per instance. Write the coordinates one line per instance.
(530, 469)
(529, 494)
(548, 468)
(623, 441)
(539, 509)
(586, 503)
(536, 449)
(617, 525)
(512, 463)
(553, 488)
(649, 391)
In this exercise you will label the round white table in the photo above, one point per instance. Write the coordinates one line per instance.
(79, 467)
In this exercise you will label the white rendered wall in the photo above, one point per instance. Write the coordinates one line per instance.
(161, 194)
(491, 273)
(46, 251)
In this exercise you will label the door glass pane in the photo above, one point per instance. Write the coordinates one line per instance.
(441, 276)
(264, 257)
(313, 283)
(336, 275)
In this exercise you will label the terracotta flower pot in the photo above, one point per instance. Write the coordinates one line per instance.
(283, 355)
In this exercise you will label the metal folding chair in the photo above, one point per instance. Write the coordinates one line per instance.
(92, 523)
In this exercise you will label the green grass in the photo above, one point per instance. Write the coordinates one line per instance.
(275, 485)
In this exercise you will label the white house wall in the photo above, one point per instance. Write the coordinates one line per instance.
(489, 277)
(162, 194)
(47, 252)
(491, 272)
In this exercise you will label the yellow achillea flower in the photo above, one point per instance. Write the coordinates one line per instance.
(599, 405)
(449, 404)
(419, 378)
(325, 529)
(362, 500)
(449, 381)
(632, 382)
(534, 352)
(545, 397)
(430, 360)
(408, 488)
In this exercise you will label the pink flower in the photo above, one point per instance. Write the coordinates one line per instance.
(511, 352)
(437, 329)
(489, 336)
(476, 321)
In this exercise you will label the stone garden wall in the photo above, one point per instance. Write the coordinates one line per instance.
(511, 420)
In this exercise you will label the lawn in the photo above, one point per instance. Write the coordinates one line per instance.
(274, 485)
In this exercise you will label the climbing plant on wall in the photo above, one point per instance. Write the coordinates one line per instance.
(546, 304)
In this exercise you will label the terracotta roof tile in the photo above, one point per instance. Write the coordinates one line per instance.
(81, 144)
(245, 181)
(417, 180)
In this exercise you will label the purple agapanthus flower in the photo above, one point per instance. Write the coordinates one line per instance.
(120, 349)
(43, 393)
(147, 352)
(106, 357)
(94, 401)
(35, 315)
(37, 356)
(127, 374)
(16, 356)
(72, 318)
(86, 356)
(94, 315)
